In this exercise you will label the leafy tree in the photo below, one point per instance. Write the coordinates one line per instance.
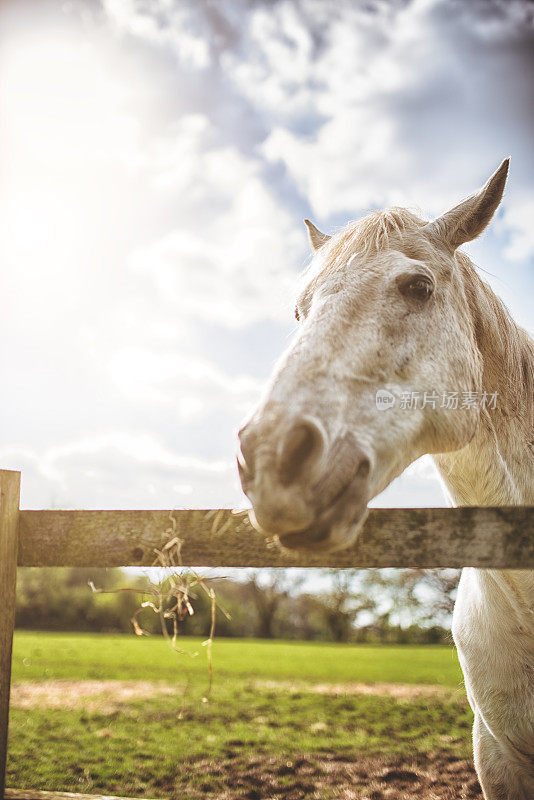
(59, 598)
(342, 604)
(268, 591)
(358, 605)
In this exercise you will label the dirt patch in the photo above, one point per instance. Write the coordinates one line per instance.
(428, 776)
(400, 691)
(238, 775)
(101, 696)
(110, 696)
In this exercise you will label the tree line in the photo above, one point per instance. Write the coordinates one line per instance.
(403, 606)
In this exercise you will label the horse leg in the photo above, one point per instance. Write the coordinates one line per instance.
(497, 772)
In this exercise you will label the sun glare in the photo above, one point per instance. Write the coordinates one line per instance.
(63, 132)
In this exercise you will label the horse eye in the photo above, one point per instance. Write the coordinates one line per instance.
(417, 286)
(297, 315)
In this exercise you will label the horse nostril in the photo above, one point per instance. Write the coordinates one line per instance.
(363, 469)
(302, 445)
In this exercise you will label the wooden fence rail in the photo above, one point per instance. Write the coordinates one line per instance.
(406, 537)
(397, 537)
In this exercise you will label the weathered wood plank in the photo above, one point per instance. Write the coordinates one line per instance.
(9, 514)
(32, 794)
(401, 537)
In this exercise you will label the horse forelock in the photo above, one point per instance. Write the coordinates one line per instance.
(372, 234)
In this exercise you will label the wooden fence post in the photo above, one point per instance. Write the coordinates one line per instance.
(9, 518)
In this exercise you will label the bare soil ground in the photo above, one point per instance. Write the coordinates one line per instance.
(242, 775)
(400, 691)
(429, 776)
(109, 696)
(102, 696)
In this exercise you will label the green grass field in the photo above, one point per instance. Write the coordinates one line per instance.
(260, 706)
(46, 656)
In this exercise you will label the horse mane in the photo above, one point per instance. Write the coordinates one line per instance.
(507, 349)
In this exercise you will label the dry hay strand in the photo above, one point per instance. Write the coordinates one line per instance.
(172, 599)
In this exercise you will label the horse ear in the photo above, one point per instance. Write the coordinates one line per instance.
(467, 220)
(317, 238)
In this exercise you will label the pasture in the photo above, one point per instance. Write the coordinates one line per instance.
(121, 715)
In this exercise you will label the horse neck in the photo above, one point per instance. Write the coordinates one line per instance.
(497, 466)
(495, 469)
(492, 470)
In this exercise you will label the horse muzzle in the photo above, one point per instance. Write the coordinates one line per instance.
(310, 492)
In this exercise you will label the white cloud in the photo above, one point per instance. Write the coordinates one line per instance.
(164, 24)
(192, 386)
(373, 104)
(231, 256)
(518, 219)
(120, 469)
(411, 104)
(419, 485)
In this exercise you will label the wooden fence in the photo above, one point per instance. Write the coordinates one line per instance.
(405, 537)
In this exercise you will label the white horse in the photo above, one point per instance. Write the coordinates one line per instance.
(392, 307)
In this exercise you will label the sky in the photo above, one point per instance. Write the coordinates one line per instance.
(157, 160)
